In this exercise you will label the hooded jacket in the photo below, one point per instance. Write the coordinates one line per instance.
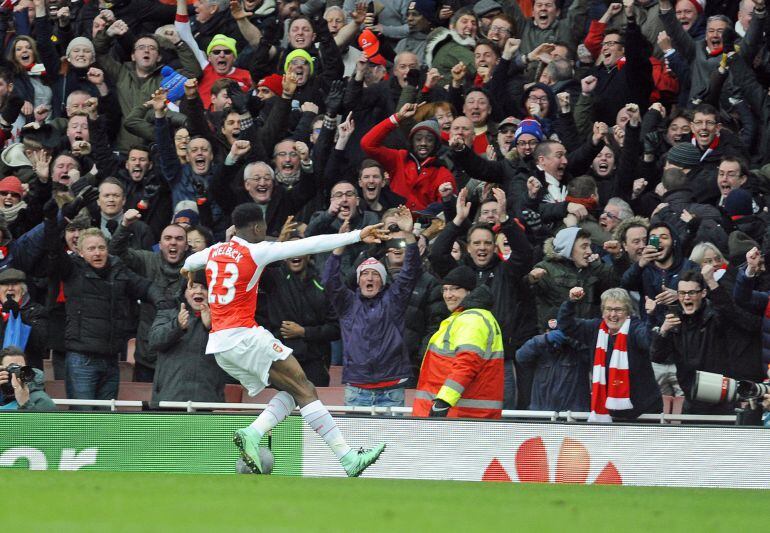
(562, 274)
(445, 48)
(373, 347)
(417, 181)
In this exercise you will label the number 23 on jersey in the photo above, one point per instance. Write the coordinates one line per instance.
(222, 285)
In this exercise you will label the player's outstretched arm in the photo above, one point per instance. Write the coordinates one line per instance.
(196, 261)
(269, 252)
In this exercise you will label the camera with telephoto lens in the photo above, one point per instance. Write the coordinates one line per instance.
(715, 388)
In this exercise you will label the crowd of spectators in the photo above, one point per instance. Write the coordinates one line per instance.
(602, 170)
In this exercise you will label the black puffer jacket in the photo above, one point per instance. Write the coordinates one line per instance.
(302, 299)
(98, 308)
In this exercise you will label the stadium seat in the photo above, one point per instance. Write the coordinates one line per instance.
(233, 393)
(126, 371)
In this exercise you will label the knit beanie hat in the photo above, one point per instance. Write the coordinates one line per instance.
(684, 155)
(530, 126)
(11, 184)
(372, 264)
(564, 241)
(298, 53)
(79, 41)
(429, 125)
(222, 40)
(426, 8)
(738, 203)
(462, 276)
(274, 82)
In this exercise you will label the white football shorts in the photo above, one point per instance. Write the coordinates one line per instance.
(250, 360)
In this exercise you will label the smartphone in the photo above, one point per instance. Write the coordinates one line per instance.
(654, 240)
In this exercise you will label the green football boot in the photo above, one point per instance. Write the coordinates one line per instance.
(355, 462)
(248, 444)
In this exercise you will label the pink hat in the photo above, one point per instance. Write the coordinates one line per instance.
(371, 264)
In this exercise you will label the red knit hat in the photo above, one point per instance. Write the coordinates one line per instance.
(11, 184)
(274, 82)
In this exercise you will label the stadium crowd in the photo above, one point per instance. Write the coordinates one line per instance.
(593, 178)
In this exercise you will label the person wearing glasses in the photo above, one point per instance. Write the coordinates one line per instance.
(344, 211)
(699, 333)
(136, 81)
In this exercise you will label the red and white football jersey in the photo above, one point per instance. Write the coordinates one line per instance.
(233, 270)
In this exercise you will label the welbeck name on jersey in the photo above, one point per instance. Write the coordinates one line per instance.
(228, 251)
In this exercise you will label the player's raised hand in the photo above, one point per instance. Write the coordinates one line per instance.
(374, 234)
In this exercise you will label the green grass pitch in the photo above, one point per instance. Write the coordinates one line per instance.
(112, 502)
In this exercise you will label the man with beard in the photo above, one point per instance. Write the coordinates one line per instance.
(415, 174)
(504, 278)
(343, 210)
(656, 273)
(420, 19)
(136, 81)
(161, 269)
(300, 314)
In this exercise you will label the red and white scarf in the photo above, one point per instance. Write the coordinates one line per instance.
(617, 395)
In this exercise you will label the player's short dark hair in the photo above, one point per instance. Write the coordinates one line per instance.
(246, 215)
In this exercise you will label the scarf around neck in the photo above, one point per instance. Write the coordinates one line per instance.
(610, 386)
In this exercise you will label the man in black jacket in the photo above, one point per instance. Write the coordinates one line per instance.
(699, 336)
(301, 316)
(513, 298)
(99, 290)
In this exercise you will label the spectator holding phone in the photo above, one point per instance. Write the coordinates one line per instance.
(656, 273)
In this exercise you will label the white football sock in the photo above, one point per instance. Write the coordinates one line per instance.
(280, 406)
(318, 418)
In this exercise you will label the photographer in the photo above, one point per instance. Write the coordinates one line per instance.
(697, 334)
(15, 392)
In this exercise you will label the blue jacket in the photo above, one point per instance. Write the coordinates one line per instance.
(645, 393)
(372, 329)
(755, 302)
(561, 380)
(26, 251)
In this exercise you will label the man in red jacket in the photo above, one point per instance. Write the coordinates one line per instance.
(415, 174)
